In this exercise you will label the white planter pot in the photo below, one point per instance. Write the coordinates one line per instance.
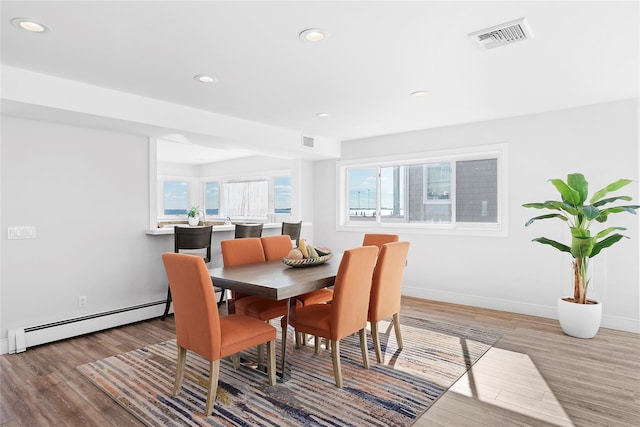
(194, 220)
(579, 320)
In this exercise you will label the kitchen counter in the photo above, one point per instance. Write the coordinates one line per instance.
(216, 228)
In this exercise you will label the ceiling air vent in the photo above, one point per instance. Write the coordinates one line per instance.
(503, 34)
(307, 141)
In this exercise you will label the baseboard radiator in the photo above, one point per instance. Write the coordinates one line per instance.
(21, 338)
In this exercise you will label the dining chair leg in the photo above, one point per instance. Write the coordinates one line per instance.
(301, 339)
(376, 341)
(182, 358)
(298, 339)
(235, 358)
(364, 348)
(316, 344)
(335, 357)
(271, 362)
(396, 326)
(261, 355)
(167, 305)
(214, 370)
(223, 291)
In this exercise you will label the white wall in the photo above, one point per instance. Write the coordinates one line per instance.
(86, 192)
(512, 273)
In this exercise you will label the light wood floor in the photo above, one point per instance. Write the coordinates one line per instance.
(534, 376)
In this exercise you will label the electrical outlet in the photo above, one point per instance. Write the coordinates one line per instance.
(82, 301)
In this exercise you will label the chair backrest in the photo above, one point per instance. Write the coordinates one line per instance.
(193, 238)
(276, 247)
(241, 251)
(292, 229)
(194, 304)
(371, 239)
(386, 287)
(248, 230)
(351, 291)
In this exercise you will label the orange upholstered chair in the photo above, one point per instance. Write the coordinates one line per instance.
(386, 290)
(249, 251)
(200, 329)
(348, 311)
(278, 247)
(379, 239)
(191, 238)
(239, 252)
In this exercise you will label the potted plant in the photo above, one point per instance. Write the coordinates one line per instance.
(579, 217)
(194, 215)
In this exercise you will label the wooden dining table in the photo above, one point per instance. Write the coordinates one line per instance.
(277, 281)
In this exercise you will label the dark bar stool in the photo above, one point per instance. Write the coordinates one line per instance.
(192, 238)
(248, 230)
(293, 230)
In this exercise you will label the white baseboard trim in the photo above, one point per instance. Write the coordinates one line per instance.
(41, 334)
(55, 331)
(549, 312)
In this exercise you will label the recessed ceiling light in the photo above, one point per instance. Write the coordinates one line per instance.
(419, 93)
(205, 79)
(313, 35)
(322, 114)
(29, 25)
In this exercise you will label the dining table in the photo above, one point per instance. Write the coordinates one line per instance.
(278, 281)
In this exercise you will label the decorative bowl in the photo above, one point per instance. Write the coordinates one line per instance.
(306, 262)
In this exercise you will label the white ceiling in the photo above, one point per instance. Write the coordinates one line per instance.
(377, 54)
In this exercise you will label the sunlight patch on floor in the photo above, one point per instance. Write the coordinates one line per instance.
(511, 381)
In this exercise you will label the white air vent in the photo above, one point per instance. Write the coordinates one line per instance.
(503, 34)
(307, 141)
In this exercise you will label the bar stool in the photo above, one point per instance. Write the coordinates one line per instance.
(248, 230)
(293, 230)
(196, 241)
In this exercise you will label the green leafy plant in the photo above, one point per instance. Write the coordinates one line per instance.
(193, 212)
(579, 217)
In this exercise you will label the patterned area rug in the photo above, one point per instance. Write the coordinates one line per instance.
(394, 393)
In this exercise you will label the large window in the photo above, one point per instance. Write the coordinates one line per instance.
(251, 197)
(454, 190)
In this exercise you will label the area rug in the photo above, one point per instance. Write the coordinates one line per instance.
(393, 393)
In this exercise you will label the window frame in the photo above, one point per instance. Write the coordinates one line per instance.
(268, 176)
(191, 190)
(197, 188)
(499, 228)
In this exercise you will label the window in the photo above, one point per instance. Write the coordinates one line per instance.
(246, 198)
(251, 197)
(461, 189)
(212, 198)
(256, 197)
(175, 197)
(362, 205)
(282, 194)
